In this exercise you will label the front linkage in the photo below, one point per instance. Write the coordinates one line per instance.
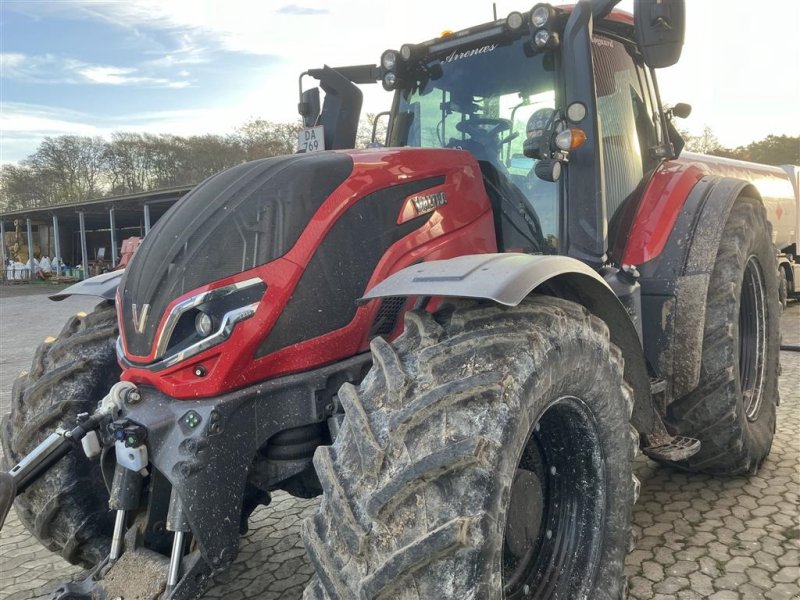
(185, 475)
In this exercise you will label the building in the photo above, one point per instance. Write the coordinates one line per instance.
(86, 235)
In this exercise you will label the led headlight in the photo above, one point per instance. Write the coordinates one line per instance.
(203, 324)
(542, 38)
(389, 80)
(389, 60)
(540, 15)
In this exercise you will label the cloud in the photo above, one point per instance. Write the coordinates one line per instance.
(24, 125)
(126, 76)
(10, 61)
(294, 9)
(18, 117)
(50, 69)
(238, 26)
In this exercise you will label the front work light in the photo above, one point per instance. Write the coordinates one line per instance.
(542, 38)
(548, 170)
(389, 81)
(540, 15)
(514, 21)
(389, 60)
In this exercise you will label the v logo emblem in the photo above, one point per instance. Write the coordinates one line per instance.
(139, 322)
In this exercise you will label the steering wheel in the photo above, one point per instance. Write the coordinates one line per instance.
(481, 127)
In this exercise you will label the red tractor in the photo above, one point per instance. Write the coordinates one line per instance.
(460, 340)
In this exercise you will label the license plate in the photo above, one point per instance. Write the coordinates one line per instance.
(311, 139)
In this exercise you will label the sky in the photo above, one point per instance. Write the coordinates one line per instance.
(91, 67)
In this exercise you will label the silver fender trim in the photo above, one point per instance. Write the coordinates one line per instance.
(504, 278)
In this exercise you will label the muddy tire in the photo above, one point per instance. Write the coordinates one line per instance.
(487, 454)
(67, 509)
(783, 288)
(732, 411)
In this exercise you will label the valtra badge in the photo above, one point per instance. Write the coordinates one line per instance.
(429, 202)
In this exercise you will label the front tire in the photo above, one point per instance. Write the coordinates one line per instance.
(732, 411)
(488, 457)
(67, 508)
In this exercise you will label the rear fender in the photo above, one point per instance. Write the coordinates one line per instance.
(509, 278)
(103, 286)
(675, 283)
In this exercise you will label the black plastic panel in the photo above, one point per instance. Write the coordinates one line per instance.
(235, 221)
(325, 298)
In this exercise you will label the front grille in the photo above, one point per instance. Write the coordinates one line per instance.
(387, 315)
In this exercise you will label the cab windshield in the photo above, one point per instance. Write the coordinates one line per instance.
(480, 100)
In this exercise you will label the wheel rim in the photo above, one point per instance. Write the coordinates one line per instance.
(752, 337)
(554, 520)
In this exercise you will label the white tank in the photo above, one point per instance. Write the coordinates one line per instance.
(779, 188)
(794, 176)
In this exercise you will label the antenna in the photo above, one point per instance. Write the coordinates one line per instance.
(494, 10)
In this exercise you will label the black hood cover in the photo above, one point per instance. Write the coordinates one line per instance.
(232, 222)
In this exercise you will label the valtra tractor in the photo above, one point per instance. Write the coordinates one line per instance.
(460, 340)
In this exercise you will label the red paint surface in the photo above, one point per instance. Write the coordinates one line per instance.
(620, 16)
(661, 203)
(464, 225)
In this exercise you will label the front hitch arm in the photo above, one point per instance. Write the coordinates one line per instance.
(55, 447)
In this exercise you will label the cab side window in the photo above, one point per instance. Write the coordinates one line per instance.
(626, 123)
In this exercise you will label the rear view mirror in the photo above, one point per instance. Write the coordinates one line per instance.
(309, 107)
(660, 26)
(682, 110)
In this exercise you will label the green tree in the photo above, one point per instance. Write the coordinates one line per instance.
(772, 150)
(72, 163)
(21, 187)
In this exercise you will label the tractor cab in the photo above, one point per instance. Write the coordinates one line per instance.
(559, 106)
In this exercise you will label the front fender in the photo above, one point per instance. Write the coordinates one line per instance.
(103, 286)
(509, 278)
(504, 278)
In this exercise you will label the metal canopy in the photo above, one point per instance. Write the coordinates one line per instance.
(80, 229)
(128, 210)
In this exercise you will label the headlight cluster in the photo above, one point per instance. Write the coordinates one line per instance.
(396, 64)
(542, 25)
(207, 318)
(392, 63)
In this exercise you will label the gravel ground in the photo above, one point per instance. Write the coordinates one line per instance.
(699, 537)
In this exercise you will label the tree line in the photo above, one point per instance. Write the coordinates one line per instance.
(772, 150)
(72, 168)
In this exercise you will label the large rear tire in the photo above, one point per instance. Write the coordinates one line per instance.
(486, 457)
(67, 509)
(732, 411)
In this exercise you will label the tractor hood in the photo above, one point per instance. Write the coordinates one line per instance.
(255, 274)
(232, 222)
